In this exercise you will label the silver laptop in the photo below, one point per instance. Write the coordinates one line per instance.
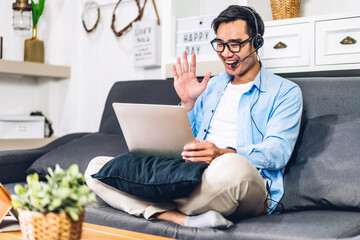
(155, 130)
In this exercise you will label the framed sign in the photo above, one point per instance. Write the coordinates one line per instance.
(194, 34)
(147, 38)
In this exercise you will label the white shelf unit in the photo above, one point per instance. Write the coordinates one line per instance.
(313, 46)
(316, 50)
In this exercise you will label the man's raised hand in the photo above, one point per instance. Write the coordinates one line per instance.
(186, 84)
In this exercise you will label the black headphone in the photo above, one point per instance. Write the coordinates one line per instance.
(258, 41)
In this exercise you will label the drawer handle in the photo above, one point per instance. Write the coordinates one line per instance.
(348, 40)
(280, 45)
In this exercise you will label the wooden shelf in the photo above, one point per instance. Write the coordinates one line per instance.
(32, 69)
(18, 144)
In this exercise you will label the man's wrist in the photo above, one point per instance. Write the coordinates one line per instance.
(231, 148)
(188, 105)
(228, 150)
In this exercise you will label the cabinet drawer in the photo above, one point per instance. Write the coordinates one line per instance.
(330, 34)
(296, 50)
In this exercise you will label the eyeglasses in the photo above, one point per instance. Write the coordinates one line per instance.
(233, 45)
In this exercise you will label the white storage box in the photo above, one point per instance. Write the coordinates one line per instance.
(194, 34)
(12, 127)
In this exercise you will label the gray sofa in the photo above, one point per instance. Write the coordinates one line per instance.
(322, 180)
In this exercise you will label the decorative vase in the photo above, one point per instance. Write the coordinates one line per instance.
(34, 48)
(49, 226)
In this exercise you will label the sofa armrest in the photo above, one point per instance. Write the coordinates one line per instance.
(14, 163)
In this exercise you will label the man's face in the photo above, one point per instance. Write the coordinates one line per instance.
(236, 31)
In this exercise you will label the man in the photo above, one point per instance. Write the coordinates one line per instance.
(246, 120)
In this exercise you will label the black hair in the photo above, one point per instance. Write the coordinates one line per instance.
(236, 12)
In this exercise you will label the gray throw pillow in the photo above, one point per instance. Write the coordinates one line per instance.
(324, 170)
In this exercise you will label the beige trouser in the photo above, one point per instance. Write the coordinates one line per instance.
(230, 185)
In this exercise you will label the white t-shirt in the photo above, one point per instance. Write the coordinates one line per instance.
(222, 131)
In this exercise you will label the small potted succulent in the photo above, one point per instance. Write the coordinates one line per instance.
(53, 209)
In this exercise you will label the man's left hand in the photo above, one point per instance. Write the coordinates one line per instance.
(204, 151)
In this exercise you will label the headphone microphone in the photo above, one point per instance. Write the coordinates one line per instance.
(234, 64)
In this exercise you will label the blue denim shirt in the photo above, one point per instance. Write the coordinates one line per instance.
(269, 116)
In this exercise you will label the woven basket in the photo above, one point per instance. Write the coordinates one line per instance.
(282, 9)
(49, 226)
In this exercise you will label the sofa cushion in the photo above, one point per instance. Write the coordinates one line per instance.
(155, 179)
(323, 172)
(330, 95)
(80, 151)
(317, 224)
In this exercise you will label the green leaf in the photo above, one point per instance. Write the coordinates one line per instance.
(73, 170)
(37, 10)
(41, 7)
(83, 190)
(73, 213)
(16, 202)
(61, 193)
(19, 189)
(56, 203)
(35, 202)
(50, 171)
(44, 202)
(32, 178)
(59, 170)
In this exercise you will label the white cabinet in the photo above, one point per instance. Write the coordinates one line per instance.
(315, 46)
(337, 41)
(286, 46)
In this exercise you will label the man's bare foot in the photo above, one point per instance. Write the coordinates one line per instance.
(172, 216)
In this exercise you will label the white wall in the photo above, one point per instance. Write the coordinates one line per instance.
(98, 59)
(308, 7)
(17, 95)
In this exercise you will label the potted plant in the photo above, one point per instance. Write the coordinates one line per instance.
(34, 48)
(53, 209)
